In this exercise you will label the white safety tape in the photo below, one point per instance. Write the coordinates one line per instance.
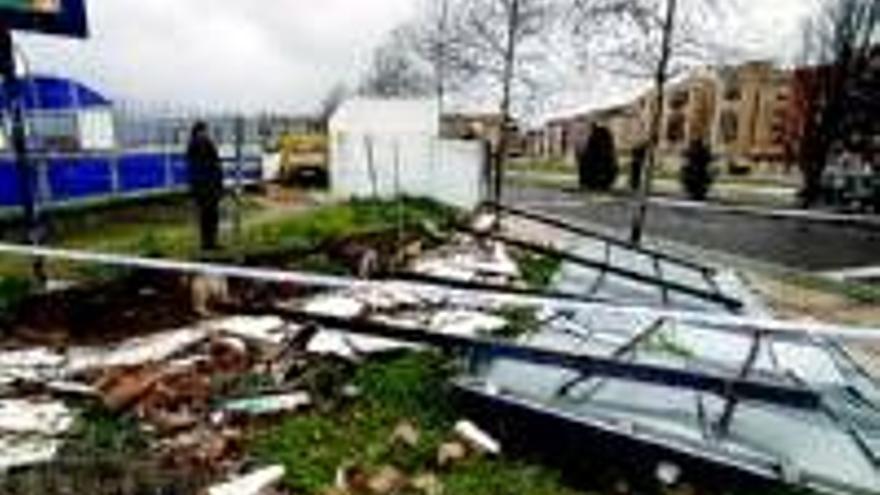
(806, 331)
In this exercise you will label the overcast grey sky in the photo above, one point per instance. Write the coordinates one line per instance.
(279, 54)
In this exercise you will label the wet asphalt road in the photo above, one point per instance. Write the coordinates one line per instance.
(796, 243)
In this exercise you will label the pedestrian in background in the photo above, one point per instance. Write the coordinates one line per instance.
(206, 183)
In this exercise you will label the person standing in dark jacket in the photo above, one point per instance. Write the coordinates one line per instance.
(206, 183)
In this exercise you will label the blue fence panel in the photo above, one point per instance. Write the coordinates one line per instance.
(179, 170)
(142, 172)
(9, 194)
(80, 177)
(77, 177)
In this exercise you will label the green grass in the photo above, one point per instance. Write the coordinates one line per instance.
(311, 230)
(483, 477)
(101, 435)
(520, 321)
(12, 291)
(537, 270)
(169, 230)
(667, 343)
(411, 387)
(856, 292)
(314, 446)
(105, 453)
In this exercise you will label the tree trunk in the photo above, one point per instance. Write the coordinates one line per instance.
(507, 86)
(440, 57)
(641, 214)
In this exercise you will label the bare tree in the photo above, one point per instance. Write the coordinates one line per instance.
(655, 39)
(502, 45)
(836, 93)
(394, 72)
(331, 102)
(432, 39)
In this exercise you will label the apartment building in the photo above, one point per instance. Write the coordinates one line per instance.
(739, 111)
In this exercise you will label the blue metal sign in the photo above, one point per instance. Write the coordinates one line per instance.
(58, 17)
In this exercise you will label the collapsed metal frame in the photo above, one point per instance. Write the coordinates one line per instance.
(734, 388)
(604, 268)
(784, 331)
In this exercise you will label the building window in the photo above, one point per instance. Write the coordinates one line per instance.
(729, 126)
(53, 131)
(732, 92)
(680, 99)
(675, 128)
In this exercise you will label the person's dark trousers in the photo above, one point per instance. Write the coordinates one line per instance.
(209, 223)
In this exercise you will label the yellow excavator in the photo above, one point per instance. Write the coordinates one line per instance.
(304, 159)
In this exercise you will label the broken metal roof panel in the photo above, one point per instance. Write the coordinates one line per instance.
(834, 448)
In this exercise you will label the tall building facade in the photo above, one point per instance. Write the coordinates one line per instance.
(740, 112)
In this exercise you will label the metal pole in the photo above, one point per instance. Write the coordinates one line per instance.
(26, 176)
(239, 179)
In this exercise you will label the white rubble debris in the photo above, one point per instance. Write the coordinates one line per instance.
(271, 404)
(466, 323)
(477, 438)
(386, 297)
(32, 365)
(18, 451)
(44, 418)
(154, 348)
(443, 269)
(251, 484)
(484, 223)
(27, 429)
(351, 347)
(471, 263)
(269, 330)
(668, 473)
(336, 305)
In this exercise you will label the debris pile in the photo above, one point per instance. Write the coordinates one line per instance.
(169, 382)
(466, 441)
(198, 391)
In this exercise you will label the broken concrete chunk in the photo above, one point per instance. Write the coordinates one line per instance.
(477, 438)
(668, 473)
(207, 291)
(484, 223)
(124, 387)
(386, 481)
(251, 484)
(451, 453)
(427, 484)
(406, 433)
(272, 404)
(351, 479)
(229, 355)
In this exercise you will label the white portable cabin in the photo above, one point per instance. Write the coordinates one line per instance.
(388, 148)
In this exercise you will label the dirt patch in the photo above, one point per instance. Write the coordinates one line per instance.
(790, 301)
(793, 301)
(102, 313)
